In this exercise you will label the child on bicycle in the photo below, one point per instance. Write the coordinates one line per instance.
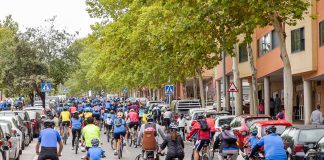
(95, 152)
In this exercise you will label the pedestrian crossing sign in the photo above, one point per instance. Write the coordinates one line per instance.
(46, 87)
(169, 89)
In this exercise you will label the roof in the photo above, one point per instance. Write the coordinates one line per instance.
(226, 117)
(274, 122)
(253, 116)
(308, 126)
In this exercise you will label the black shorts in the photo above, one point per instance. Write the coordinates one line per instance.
(109, 127)
(66, 123)
(117, 135)
(200, 143)
(48, 153)
(96, 116)
(133, 124)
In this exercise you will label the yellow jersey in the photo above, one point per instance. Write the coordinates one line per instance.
(87, 115)
(144, 121)
(65, 115)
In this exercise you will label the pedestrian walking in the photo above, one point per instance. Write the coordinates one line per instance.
(261, 107)
(272, 107)
(317, 116)
(277, 103)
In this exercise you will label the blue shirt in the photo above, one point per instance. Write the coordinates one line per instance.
(76, 123)
(95, 153)
(108, 105)
(49, 138)
(119, 129)
(253, 140)
(273, 147)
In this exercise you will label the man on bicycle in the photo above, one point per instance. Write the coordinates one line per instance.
(48, 140)
(133, 118)
(167, 117)
(119, 130)
(203, 135)
(226, 142)
(89, 132)
(76, 127)
(273, 145)
(65, 117)
(150, 124)
(109, 120)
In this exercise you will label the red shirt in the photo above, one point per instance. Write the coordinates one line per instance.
(133, 117)
(211, 124)
(72, 109)
(201, 134)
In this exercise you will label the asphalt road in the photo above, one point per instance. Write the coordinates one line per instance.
(129, 153)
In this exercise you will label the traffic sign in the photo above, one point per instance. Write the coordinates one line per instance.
(125, 90)
(46, 87)
(64, 90)
(232, 87)
(169, 89)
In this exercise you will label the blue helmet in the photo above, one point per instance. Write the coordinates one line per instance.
(65, 108)
(254, 132)
(87, 109)
(95, 142)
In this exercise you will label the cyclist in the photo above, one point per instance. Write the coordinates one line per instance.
(89, 132)
(174, 143)
(144, 118)
(76, 127)
(87, 114)
(182, 125)
(133, 118)
(211, 125)
(203, 135)
(96, 115)
(156, 113)
(72, 109)
(150, 123)
(273, 145)
(65, 117)
(95, 152)
(119, 130)
(226, 142)
(167, 117)
(48, 139)
(134, 106)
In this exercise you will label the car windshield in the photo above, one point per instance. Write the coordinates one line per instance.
(40, 111)
(32, 115)
(4, 128)
(311, 135)
(250, 121)
(280, 129)
(195, 116)
(224, 121)
(321, 144)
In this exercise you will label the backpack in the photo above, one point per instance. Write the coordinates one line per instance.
(118, 122)
(230, 139)
(203, 125)
(149, 142)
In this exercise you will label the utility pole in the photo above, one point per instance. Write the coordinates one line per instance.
(224, 80)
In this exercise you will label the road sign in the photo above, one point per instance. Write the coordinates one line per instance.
(232, 88)
(64, 90)
(169, 89)
(125, 90)
(46, 87)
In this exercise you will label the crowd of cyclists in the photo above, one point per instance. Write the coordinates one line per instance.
(134, 123)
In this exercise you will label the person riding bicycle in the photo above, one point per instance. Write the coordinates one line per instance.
(76, 127)
(273, 145)
(167, 117)
(96, 113)
(203, 135)
(134, 106)
(226, 142)
(181, 125)
(89, 132)
(87, 113)
(65, 117)
(119, 130)
(156, 111)
(253, 140)
(133, 119)
(48, 140)
(95, 152)
(72, 109)
(211, 124)
(149, 126)
(174, 143)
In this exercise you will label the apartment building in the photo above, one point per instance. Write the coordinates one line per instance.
(305, 46)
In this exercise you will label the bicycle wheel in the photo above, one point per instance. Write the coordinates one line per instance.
(129, 139)
(76, 144)
(112, 143)
(138, 157)
(205, 157)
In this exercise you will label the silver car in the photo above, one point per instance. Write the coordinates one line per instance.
(13, 140)
(15, 130)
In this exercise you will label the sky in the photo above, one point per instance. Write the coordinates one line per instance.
(71, 14)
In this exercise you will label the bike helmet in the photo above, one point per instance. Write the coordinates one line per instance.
(95, 142)
(226, 127)
(109, 116)
(65, 108)
(254, 132)
(120, 115)
(173, 126)
(271, 129)
(87, 110)
(149, 118)
(49, 123)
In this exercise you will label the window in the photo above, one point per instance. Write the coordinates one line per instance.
(243, 54)
(297, 40)
(268, 42)
(321, 32)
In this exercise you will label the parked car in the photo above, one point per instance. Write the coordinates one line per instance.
(28, 123)
(297, 139)
(4, 145)
(36, 119)
(220, 121)
(315, 151)
(16, 131)
(184, 106)
(22, 125)
(241, 126)
(13, 138)
(280, 125)
(150, 103)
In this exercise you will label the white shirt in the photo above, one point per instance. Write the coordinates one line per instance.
(316, 117)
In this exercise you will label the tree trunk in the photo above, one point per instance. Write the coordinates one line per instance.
(237, 81)
(195, 87)
(288, 79)
(184, 89)
(158, 94)
(31, 97)
(154, 95)
(201, 88)
(254, 98)
(150, 94)
(40, 94)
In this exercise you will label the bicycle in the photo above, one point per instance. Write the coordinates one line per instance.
(132, 137)
(147, 155)
(76, 142)
(120, 147)
(203, 154)
(65, 134)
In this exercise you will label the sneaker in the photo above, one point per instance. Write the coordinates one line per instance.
(72, 148)
(115, 153)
